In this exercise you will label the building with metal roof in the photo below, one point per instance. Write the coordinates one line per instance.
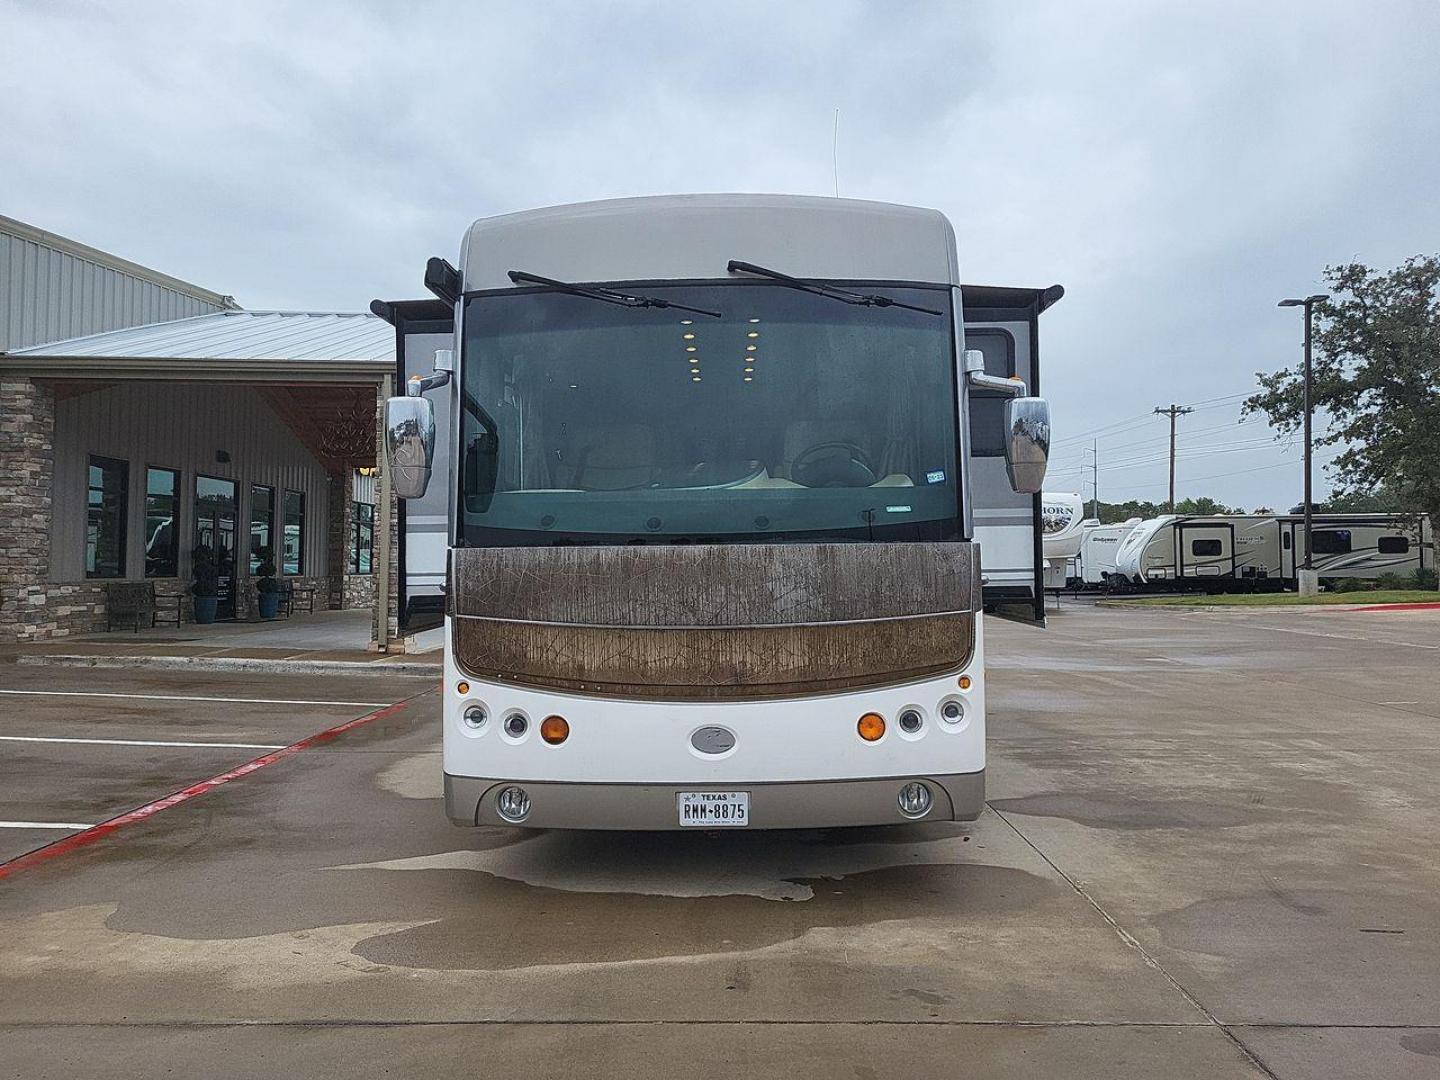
(236, 335)
(139, 452)
(52, 287)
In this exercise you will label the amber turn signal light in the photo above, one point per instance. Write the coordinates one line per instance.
(964, 682)
(462, 688)
(871, 726)
(554, 730)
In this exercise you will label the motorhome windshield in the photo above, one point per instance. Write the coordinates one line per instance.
(790, 417)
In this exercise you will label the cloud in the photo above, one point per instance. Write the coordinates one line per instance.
(1177, 167)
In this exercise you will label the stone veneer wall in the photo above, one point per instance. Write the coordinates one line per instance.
(27, 470)
(358, 591)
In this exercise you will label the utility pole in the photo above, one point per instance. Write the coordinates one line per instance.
(1095, 479)
(1173, 412)
(1307, 586)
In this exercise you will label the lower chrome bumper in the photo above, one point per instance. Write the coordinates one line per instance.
(470, 800)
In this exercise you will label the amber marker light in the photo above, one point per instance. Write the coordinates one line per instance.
(871, 726)
(554, 730)
(462, 688)
(964, 682)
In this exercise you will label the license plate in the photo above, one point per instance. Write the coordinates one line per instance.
(713, 809)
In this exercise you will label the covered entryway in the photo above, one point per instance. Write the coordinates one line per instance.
(242, 440)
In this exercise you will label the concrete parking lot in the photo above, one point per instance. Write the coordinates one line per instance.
(1210, 852)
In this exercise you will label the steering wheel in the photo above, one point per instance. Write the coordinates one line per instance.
(833, 464)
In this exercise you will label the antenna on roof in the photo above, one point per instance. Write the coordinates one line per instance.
(835, 153)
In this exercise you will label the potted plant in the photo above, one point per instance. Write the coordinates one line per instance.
(204, 582)
(267, 589)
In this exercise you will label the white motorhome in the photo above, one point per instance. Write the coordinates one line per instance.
(1099, 548)
(1063, 526)
(1264, 551)
(704, 478)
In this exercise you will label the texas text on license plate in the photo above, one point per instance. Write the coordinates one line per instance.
(713, 809)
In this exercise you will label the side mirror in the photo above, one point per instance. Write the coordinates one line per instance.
(409, 444)
(1027, 442)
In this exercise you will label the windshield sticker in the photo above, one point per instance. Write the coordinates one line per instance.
(897, 509)
(935, 477)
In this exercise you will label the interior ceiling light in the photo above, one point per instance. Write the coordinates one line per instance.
(688, 337)
(749, 378)
(686, 322)
(753, 333)
(689, 348)
(754, 320)
(748, 370)
(751, 348)
(694, 378)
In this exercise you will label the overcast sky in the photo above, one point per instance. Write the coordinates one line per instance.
(1178, 167)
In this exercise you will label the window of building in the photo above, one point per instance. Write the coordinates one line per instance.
(1330, 541)
(107, 500)
(262, 524)
(1394, 545)
(362, 538)
(162, 525)
(1205, 547)
(987, 408)
(294, 539)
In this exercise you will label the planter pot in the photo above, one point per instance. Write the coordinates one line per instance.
(269, 604)
(205, 608)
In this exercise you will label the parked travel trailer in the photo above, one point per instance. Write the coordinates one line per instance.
(1263, 552)
(1063, 528)
(1099, 547)
(701, 531)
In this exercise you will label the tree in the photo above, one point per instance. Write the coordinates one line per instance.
(1382, 501)
(1114, 513)
(1377, 375)
(1205, 506)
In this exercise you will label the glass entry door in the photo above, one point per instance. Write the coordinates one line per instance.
(215, 530)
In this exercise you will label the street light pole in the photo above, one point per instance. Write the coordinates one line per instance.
(1308, 303)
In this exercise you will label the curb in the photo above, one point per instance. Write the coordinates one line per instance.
(239, 664)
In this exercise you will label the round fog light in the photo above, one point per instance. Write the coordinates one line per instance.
(475, 717)
(914, 800)
(514, 805)
(516, 725)
(910, 721)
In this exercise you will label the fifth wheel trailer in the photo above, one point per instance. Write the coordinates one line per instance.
(1063, 525)
(1263, 552)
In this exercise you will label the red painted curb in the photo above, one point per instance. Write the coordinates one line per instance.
(1418, 606)
(140, 813)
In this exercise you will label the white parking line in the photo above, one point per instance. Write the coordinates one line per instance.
(145, 742)
(179, 697)
(66, 825)
(1347, 637)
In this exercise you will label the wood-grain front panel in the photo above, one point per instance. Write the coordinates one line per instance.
(698, 622)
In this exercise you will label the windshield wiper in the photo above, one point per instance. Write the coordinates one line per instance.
(821, 289)
(609, 296)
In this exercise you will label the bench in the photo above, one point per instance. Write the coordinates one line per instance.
(129, 602)
(298, 594)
